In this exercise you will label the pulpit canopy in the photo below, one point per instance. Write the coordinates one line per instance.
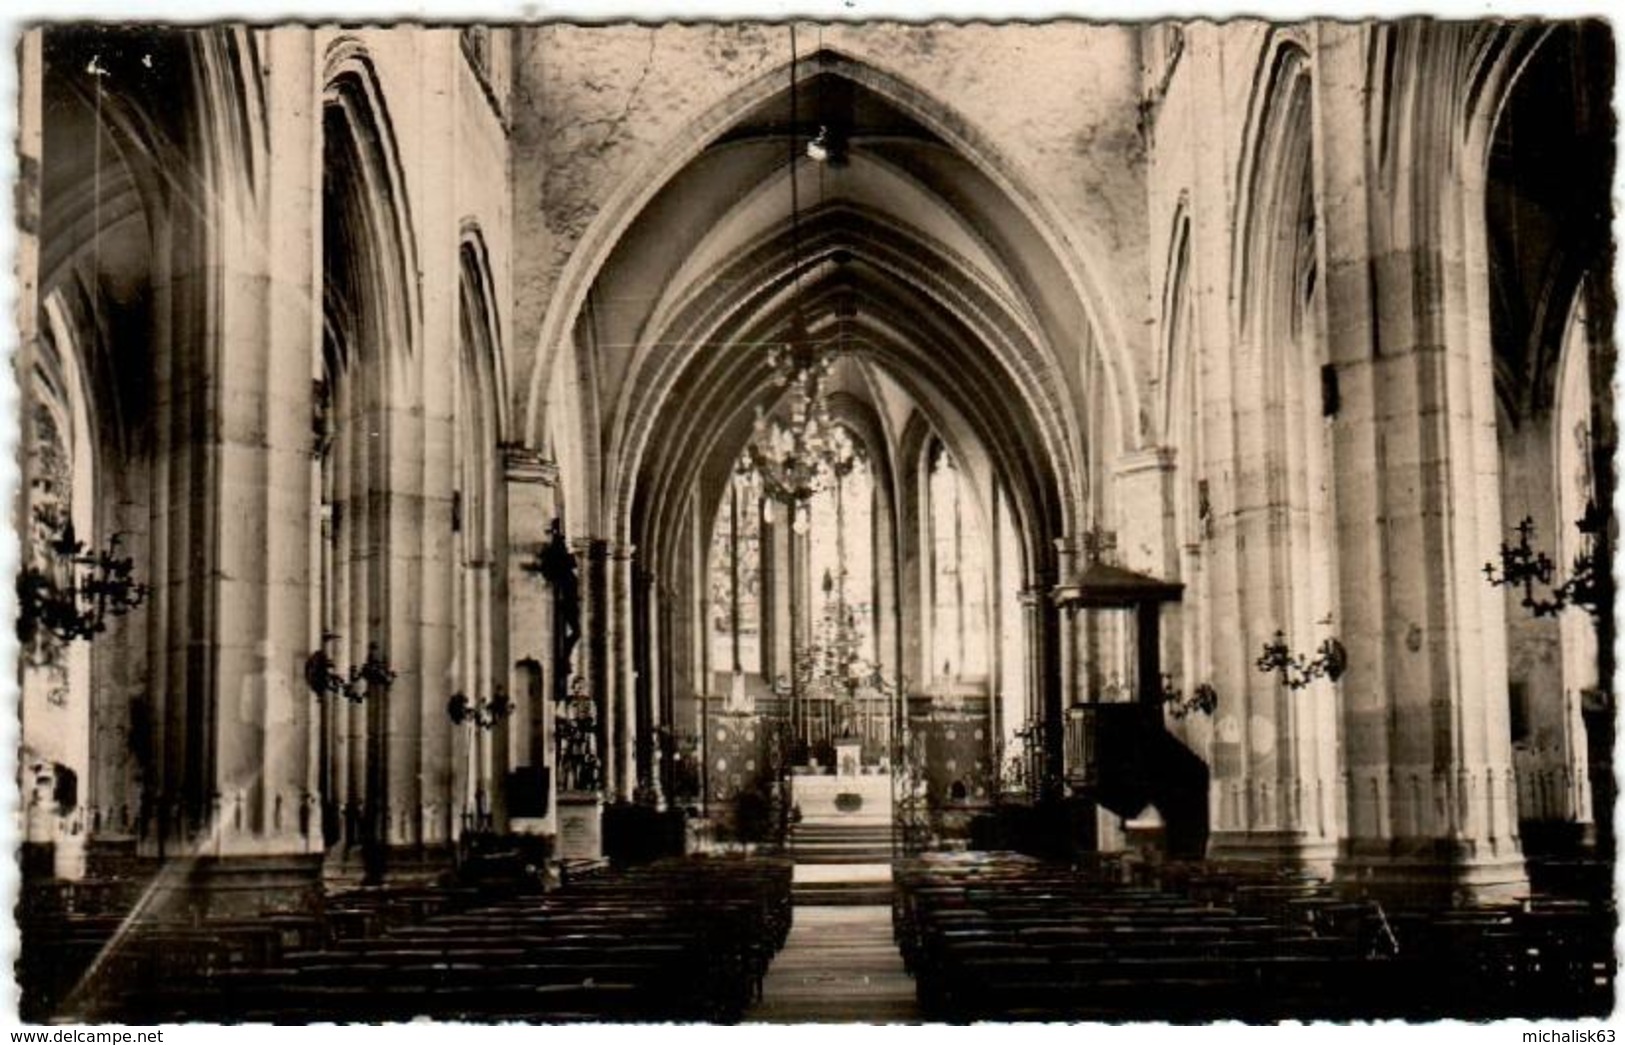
(1099, 586)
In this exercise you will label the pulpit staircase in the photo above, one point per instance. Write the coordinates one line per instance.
(1127, 760)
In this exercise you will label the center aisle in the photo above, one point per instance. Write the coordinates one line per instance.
(839, 965)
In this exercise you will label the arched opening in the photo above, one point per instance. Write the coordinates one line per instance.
(1547, 244)
(367, 305)
(959, 627)
(56, 670)
(1188, 645)
(90, 710)
(1275, 750)
(942, 310)
(478, 554)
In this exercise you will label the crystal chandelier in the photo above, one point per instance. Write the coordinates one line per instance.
(797, 460)
(805, 456)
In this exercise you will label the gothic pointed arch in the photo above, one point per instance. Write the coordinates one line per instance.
(1287, 785)
(634, 194)
(1546, 241)
(362, 375)
(133, 201)
(479, 554)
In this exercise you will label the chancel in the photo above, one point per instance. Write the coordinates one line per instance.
(816, 522)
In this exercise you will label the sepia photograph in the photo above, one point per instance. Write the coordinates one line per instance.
(816, 521)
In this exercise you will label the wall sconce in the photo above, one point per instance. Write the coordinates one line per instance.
(324, 678)
(484, 714)
(1298, 671)
(1204, 698)
(78, 591)
(1522, 565)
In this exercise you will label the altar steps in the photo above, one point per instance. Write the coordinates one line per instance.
(842, 843)
(840, 894)
(841, 865)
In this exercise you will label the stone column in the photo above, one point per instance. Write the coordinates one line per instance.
(422, 778)
(588, 658)
(1548, 663)
(30, 143)
(1218, 384)
(531, 479)
(233, 330)
(435, 803)
(262, 277)
(1044, 684)
(650, 687)
(775, 544)
(49, 727)
(406, 508)
(1144, 523)
(1072, 687)
(28, 192)
(1273, 787)
(1032, 636)
(1427, 752)
(623, 672)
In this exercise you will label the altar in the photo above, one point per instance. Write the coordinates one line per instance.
(852, 794)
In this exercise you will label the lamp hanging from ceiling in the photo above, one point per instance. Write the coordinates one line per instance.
(797, 459)
(803, 457)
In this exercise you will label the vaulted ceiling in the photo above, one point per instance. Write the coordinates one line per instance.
(943, 297)
(1548, 208)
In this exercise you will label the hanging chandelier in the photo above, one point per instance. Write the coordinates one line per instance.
(802, 457)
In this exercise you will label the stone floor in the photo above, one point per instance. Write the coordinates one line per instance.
(842, 873)
(839, 965)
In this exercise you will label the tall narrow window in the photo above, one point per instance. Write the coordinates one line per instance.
(736, 614)
(959, 571)
(841, 554)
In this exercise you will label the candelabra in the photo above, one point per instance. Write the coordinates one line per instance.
(482, 714)
(1297, 671)
(1524, 566)
(1034, 735)
(1204, 699)
(324, 678)
(76, 593)
(798, 460)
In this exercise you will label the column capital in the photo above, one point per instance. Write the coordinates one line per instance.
(527, 464)
(1066, 559)
(623, 552)
(1146, 459)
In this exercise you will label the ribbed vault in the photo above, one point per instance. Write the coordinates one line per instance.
(967, 362)
(958, 319)
(693, 256)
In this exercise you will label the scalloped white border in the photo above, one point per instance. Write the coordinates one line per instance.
(18, 13)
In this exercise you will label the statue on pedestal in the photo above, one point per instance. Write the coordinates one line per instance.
(577, 732)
